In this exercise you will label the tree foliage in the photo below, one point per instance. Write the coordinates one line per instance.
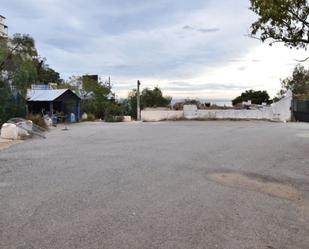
(283, 21)
(149, 98)
(89, 85)
(45, 73)
(298, 83)
(96, 98)
(257, 97)
(20, 66)
(154, 98)
(10, 105)
(130, 104)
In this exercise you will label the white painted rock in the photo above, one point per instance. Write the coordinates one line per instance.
(9, 131)
(84, 116)
(48, 121)
(127, 119)
(23, 127)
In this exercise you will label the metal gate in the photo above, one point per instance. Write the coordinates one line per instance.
(301, 110)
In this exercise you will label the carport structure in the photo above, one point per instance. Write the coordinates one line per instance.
(52, 101)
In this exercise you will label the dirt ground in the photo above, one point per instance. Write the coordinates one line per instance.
(6, 143)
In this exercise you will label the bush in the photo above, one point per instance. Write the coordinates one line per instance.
(257, 97)
(114, 112)
(114, 119)
(10, 106)
(37, 119)
(90, 117)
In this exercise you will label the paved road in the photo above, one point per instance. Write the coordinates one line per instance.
(183, 185)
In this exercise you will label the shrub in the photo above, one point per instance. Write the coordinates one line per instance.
(114, 112)
(257, 97)
(114, 119)
(38, 120)
(90, 117)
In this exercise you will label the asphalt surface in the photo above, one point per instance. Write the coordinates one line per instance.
(147, 185)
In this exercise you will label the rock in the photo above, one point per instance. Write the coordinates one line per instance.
(24, 127)
(84, 116)
(127, 119)
(9, 131)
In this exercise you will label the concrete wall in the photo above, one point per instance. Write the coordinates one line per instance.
(282, 110)
(279, 111)
(264, 113)
(155, 115)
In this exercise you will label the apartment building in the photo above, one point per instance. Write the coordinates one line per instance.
(3, 27)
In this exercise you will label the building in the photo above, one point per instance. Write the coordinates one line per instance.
(53, 102)
(3, 27)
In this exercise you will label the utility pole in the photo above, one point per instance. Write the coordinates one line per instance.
(138, 100)
(109, 83)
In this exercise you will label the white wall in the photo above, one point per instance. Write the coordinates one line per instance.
(152, 115)
(233, 114)
(279, 111)
(282, 110)
(191, 112)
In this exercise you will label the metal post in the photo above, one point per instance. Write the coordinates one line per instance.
(78, 114)
(51, 108)
(138, 98)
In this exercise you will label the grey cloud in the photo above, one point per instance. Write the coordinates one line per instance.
(187, 86)
(236, 60)
(202, 30)
(209, 30)
(132, 39)
(188, 27)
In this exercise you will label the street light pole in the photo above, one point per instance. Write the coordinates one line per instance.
(138, 100)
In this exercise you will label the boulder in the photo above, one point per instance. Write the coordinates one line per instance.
(127, 119)
(24, 127)
(84, 116)
(9, 131)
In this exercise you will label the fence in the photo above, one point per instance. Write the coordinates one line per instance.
(301, 110)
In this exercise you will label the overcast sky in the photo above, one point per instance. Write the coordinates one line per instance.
(196, 48)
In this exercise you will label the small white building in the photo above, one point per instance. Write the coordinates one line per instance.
(3, 27)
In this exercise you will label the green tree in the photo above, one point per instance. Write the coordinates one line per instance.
(154, 98)
(96, 97)
(283, 21)
(17, 73)
(298, 83)
(45, 73)
(101, 100)
(130, 104)
(257, 97)
(10, 104)
(20, 66)
(149, 98)
(16, 63)
(89, 85)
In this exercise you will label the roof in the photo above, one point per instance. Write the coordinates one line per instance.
(45, 95)
(2, 16)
